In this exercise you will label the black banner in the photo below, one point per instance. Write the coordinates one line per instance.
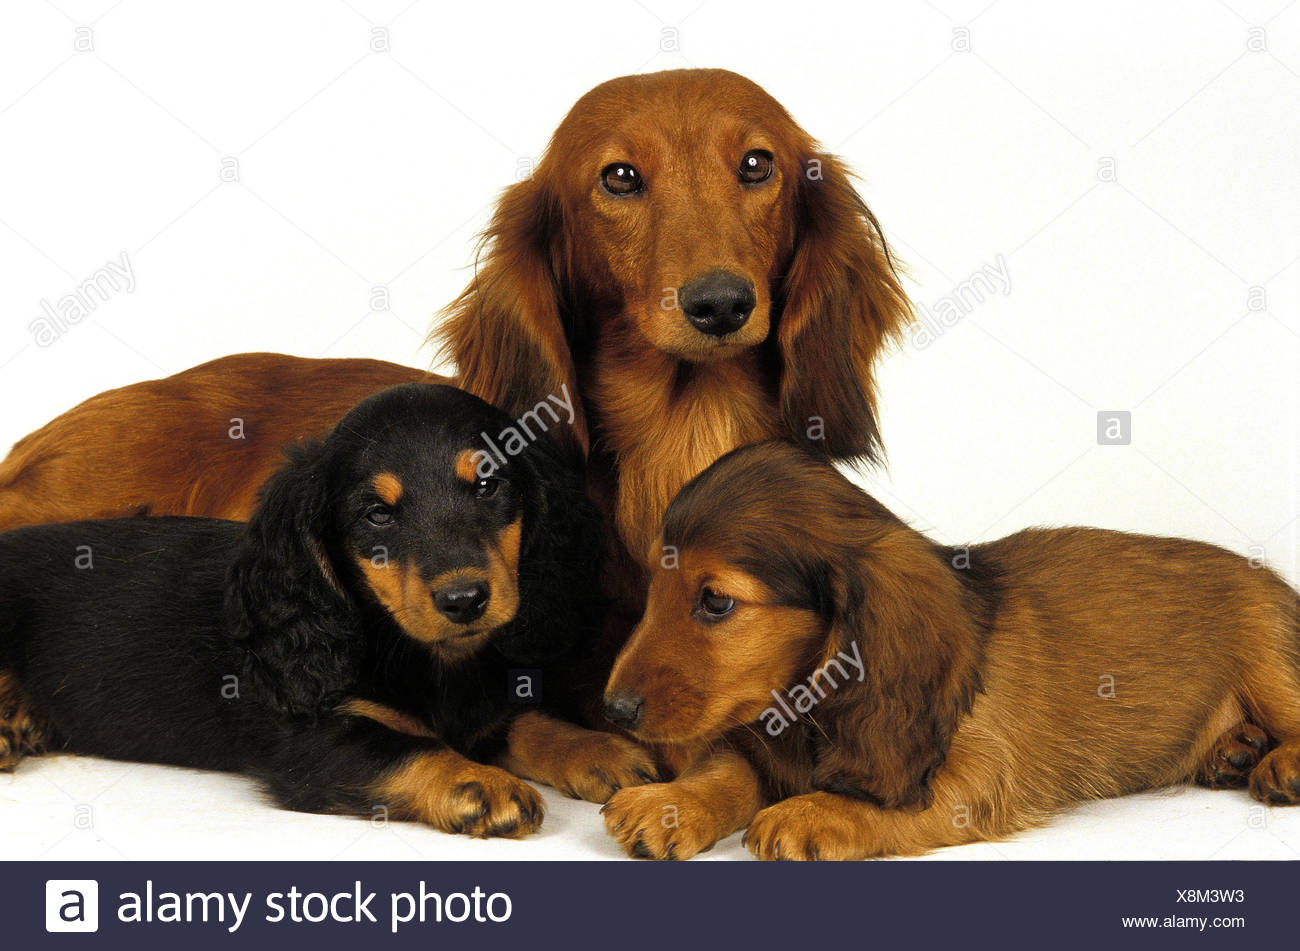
(629, 906)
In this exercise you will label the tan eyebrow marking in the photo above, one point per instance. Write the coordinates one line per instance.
(729, 580)
(466, 468)
(388, 487)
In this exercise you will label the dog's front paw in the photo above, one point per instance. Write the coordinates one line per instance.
(660, 821)
(468, 798)
(807, 828)
(581, 763)
(495, 804)
(603, 765)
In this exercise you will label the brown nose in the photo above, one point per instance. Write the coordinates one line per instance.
(718, 303)
(623, 708)
(462, 603)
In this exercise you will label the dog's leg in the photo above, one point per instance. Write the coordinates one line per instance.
(581, 763)
(375, 761)
(1276, 780)
(454, 794)
(20, 734)
(707, 802)
(829, 826)
(967, 805)
(1274, 689)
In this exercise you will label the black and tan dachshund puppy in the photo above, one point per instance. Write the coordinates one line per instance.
(373, 637)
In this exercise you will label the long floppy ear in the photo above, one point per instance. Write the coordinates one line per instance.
(560, 562)
(284, 601)
(840, 304)
(510, 331)
(903, 631)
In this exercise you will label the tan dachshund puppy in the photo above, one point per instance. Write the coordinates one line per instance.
(806, 651)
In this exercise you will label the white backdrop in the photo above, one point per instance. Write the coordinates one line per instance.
(309, 177)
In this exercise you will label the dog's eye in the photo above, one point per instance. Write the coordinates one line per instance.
(621, 179)
(716, 605)
(756, 166)
(379, 515)
(486, 488)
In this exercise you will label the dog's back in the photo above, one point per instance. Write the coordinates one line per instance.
(112, 633)
(200, 442)
(1135, 652)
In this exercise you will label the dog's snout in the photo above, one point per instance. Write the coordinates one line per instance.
(623, 708)
(462, 603)
(718, 303)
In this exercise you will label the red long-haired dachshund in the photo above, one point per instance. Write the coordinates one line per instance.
(685, 270)
(688, 261)
(881, 694)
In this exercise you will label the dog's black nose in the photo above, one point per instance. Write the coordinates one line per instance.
(718, 303)
(623, 708)
(462, 603)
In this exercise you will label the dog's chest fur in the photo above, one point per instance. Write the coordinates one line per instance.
(663, 422)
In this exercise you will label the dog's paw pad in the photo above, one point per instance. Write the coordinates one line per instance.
(1229, 762)
(491, 804)
(1276, 780)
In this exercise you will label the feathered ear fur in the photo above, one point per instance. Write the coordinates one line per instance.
(560, 563)
(510, 331)
(283, 599)
(840, 303)
(902, 610)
